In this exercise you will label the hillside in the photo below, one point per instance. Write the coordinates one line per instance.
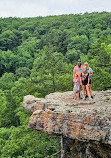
(37, 57)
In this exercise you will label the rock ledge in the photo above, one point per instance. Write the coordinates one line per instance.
(59, 114)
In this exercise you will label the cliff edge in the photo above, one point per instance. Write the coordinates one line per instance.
(83, 120)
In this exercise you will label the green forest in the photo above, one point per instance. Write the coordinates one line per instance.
(37, 57)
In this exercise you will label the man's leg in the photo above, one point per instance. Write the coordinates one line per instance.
(80, 93)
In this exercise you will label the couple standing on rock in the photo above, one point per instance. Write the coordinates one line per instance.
(82, 76)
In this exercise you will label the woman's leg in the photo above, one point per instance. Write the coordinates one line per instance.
(88, 90)
(83, 90)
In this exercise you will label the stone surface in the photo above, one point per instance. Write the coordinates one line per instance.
(80, 121)
(79, 149)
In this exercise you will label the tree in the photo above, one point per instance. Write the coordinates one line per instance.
(56, 38)
(47, 68)
(22, 72)
(19, 90)
(23, 142)
(79, 43)
(7, 113)
(8, 40)
(100, 61)
(8, 62)
(7, 81)
(73, 55)
(25, 35)
(101, 79)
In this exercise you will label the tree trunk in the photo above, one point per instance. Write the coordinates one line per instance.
(53, 83)
(58, 146)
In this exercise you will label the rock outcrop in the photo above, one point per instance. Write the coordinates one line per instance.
(85, 126)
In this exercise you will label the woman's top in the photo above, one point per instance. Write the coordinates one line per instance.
(84, 77)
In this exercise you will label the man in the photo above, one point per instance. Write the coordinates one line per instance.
(77, 70)
(90, 71)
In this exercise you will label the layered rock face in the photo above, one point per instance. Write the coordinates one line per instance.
(85, 126)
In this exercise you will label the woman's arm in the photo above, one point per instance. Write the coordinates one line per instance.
(88, 78)
(81, 79)
(91, 74)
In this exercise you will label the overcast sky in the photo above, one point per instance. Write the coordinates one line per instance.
(34, 8)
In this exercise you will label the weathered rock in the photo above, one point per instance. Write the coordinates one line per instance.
(79, 149)
(83, 121)
(32, 104)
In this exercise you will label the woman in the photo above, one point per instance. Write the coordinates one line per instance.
(85, 82)
(90, 71)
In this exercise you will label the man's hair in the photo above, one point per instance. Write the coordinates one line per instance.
(79, 60)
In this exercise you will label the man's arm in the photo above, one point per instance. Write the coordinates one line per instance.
(73, 75)
(74, 72)
(81, 79)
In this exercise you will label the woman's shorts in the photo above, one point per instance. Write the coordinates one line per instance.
(86, 82)
(90, 81)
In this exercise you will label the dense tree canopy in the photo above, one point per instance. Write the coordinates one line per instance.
(37, 57)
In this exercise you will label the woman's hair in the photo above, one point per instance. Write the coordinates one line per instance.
(86, 63)
(85, 68)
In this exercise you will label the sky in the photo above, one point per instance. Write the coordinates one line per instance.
(35, 8)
